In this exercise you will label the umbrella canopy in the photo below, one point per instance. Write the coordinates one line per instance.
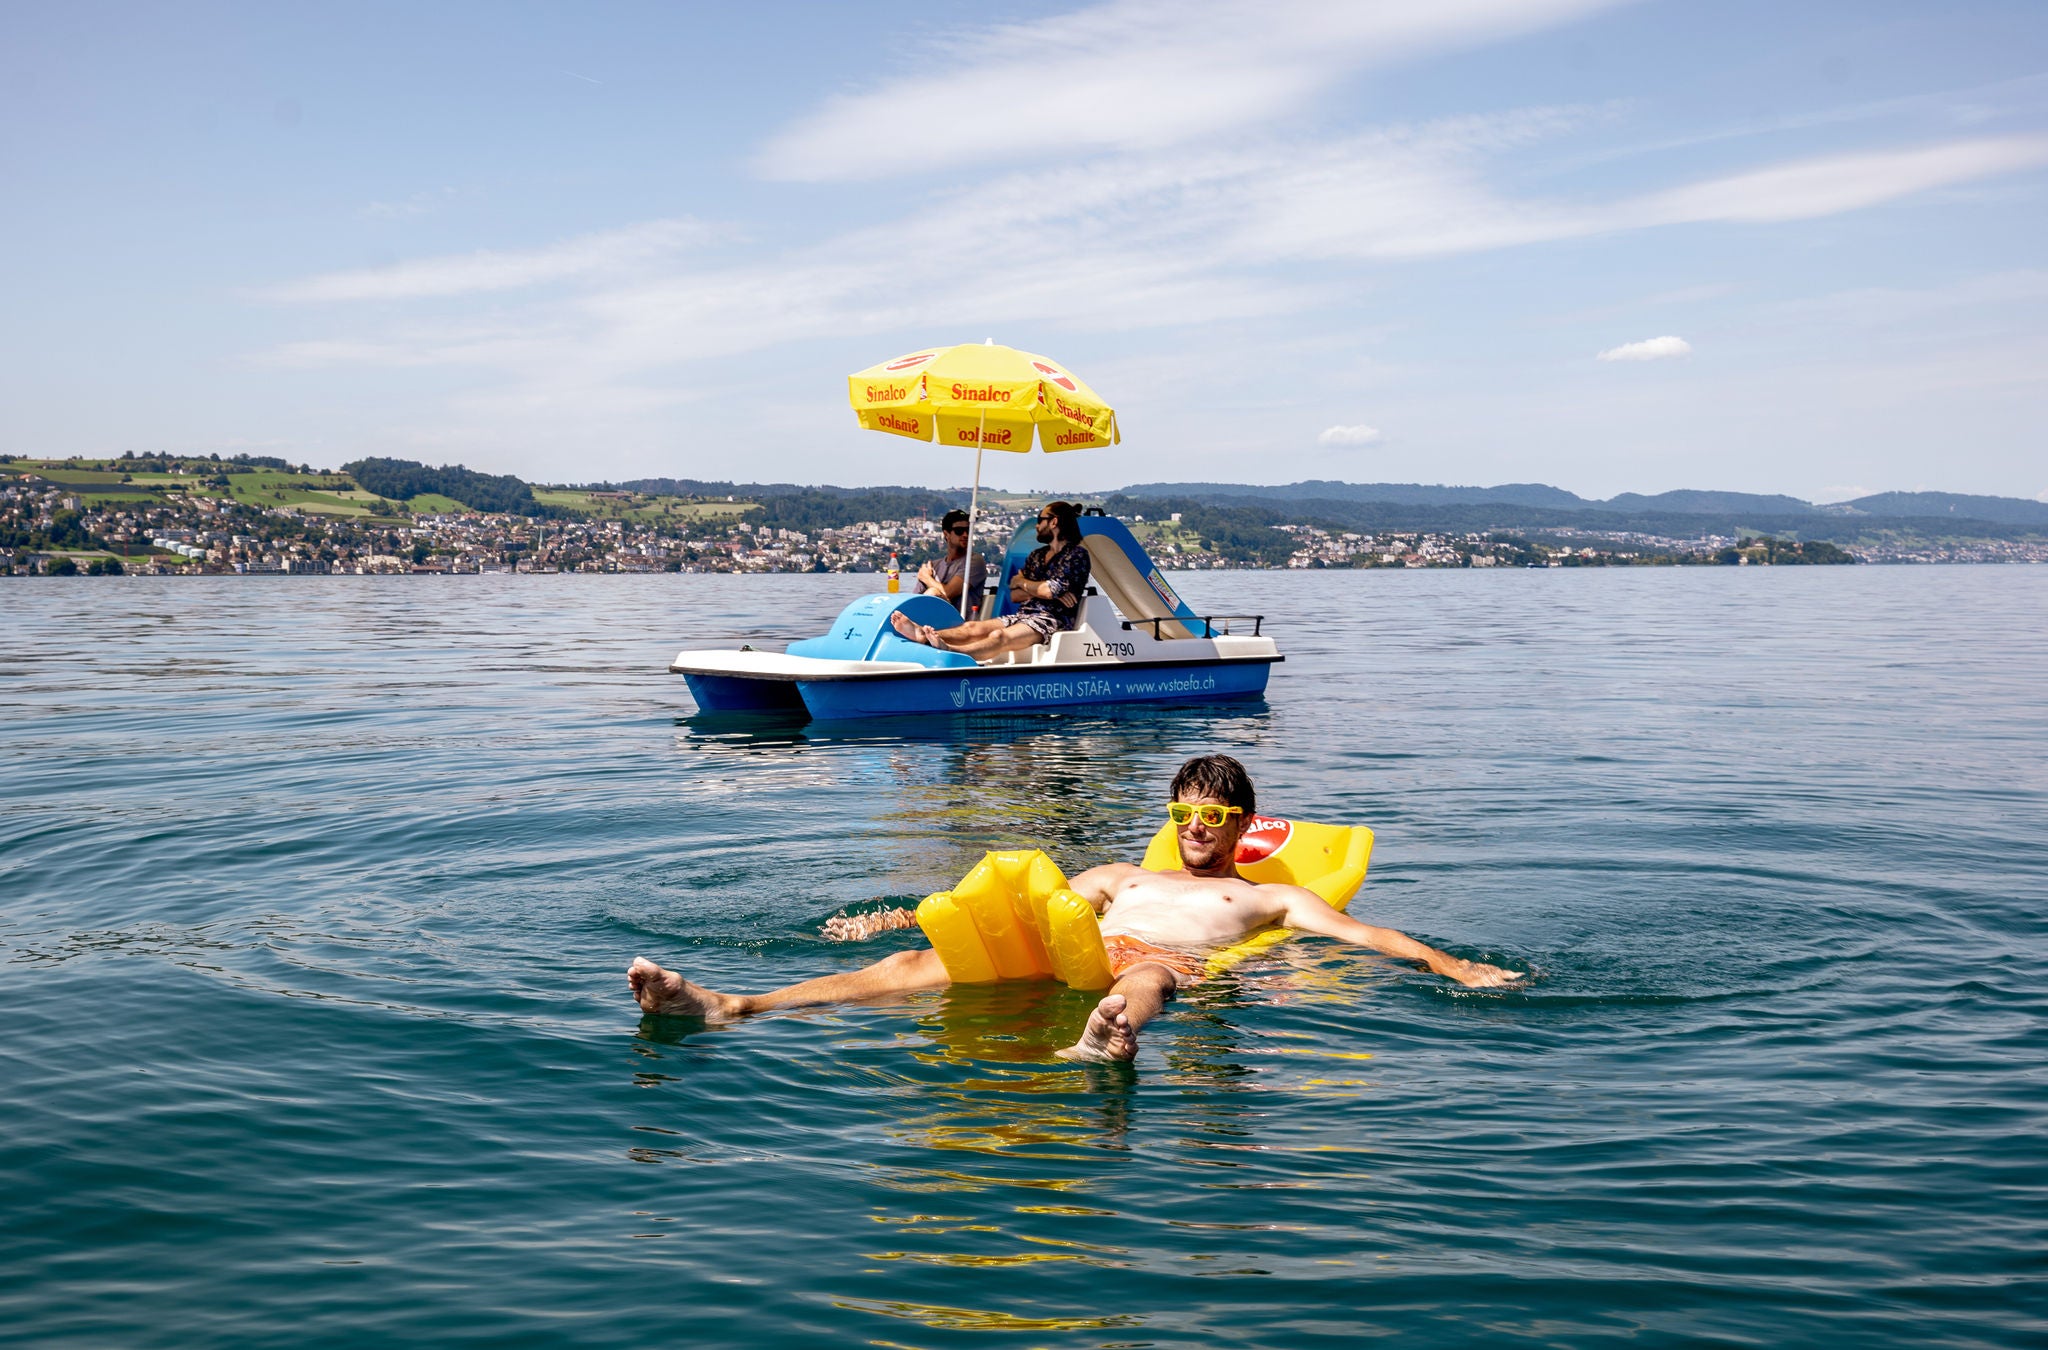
(983, 396)
(989, 397)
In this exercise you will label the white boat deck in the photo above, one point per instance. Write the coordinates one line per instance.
(1099, 639)
(780, 665)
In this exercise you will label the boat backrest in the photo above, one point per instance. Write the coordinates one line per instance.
(1119, 567)
(862, 632)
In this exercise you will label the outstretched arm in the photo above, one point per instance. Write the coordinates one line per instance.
(1308, 912)
(855, 927)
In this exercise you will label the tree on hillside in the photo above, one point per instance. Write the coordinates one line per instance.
(404, 478)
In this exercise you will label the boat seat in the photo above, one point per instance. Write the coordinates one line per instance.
(1067, 644)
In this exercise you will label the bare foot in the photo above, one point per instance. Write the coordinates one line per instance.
(915, 632)
(663, 991)
(1108, 1036)
(930, 637)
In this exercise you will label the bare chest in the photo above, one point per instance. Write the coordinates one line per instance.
(1181, 910)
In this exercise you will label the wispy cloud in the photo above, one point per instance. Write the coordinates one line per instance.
(1124, 167)
(1138, 240)
(1829, 185)
(589, 255)
(1649, 349)
(1131, 75)
(1864, 307)
(419, 204)
(421, 346)
(1970, 105)
(1689, 295)
(1420, 195)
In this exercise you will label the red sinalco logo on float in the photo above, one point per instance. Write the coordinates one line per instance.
(1056, 375)
(1264, 837)
(906, 362)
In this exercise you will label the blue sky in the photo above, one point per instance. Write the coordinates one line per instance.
(1610, 246)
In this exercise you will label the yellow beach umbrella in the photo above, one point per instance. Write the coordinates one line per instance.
(986, 396)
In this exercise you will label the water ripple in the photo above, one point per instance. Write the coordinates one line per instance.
(317, 897)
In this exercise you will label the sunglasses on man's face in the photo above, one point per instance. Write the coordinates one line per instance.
(1210, 814)
(956, 529)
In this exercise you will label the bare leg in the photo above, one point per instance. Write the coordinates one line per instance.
(949, 639)
(663, 991)
(1010, 638)
(1134, 1000)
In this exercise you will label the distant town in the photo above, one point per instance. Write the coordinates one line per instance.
(263, 516)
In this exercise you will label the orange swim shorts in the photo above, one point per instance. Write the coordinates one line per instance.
(1126, 951)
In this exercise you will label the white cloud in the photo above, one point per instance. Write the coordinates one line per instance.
(1650, 349)
(1867, 306)
(1829, 185)
(419, 204)
(1131, 241)
(1138, 188)
(1129, 75)
(1420, 193)
(491, 270)
(1688, 295)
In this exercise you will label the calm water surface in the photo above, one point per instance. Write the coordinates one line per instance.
(316, 896)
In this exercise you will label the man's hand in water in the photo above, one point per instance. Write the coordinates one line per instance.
(1476, 974)
(854, 927)
(1310, 913)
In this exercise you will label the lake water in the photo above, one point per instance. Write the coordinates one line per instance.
(316, 897)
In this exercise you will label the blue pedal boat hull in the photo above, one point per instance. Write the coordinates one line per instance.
(742, 693)
(1023, 688)
(1133, 641)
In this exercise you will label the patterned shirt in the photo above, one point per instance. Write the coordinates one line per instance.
(1067, 573)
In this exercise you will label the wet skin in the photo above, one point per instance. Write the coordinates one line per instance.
(1204, 904)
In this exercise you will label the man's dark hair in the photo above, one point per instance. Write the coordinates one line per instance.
(1066, 520)
(1217, 776)
(952, 518)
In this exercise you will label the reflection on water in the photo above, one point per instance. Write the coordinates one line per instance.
(1043, 780)
(971, 1319)
(380, 849)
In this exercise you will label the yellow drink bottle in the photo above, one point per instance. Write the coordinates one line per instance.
(895, 577)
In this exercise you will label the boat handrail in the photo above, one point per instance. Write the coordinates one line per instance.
(1208, 622)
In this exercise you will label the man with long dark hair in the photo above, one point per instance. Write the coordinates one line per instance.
(1157, 927)
(1047, 589)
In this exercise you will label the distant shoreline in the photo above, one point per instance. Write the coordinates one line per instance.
(261, 515)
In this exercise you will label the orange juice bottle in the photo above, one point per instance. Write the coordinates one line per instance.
(895, 576)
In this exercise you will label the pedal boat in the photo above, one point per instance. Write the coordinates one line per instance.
(1136, 642)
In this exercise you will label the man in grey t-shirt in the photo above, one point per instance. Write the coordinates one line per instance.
(942, 578)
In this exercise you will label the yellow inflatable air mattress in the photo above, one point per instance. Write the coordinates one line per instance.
(1012, 917)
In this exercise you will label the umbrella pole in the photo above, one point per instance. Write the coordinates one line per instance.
(973, 506)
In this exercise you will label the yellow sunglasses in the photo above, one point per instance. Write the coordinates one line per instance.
(1210, 814)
